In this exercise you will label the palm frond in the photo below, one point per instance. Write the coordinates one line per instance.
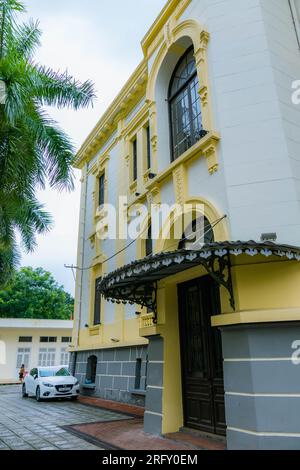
(8, 10)
(62, 90)
(9, 260)
(27, 39)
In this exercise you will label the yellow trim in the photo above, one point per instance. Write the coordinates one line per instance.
(257, 316)
(153, 38)
(94, 330)
(95, 273)
(129, 96)
(221, 231)
(98, 346)
(206, 147)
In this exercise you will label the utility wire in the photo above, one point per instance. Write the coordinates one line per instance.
(216, 222)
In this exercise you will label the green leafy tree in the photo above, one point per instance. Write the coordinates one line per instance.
(34, 293)
(33, 148)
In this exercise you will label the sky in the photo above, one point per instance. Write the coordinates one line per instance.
(97, 40)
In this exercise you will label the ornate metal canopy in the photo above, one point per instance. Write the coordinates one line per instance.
(136, 283)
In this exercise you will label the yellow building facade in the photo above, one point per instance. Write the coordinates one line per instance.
(201, 331)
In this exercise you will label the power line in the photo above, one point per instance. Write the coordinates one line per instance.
(72, 267)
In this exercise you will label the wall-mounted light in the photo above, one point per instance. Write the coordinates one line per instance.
(137, 313)
(86, 326)
(137, 194)
(269, 237)
(151, 176)
(115, 340)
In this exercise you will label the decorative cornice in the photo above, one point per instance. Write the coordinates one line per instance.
(128, 97)
(172, 11)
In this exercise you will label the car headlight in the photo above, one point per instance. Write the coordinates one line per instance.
(76, 383)
(48, 385)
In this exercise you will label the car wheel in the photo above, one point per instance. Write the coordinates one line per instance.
(74, 398)
(38, 394)
(24, 394)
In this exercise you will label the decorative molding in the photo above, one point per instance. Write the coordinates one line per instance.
(94, 330)
(153, 196)
(147, 321)
(211, 155)
(130, 94)
(171, 12)
(203, 92)
(179, 179)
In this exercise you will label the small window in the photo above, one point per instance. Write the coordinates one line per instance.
(134, 159)
(138, 374)
(44, 339)
(66, 339)
(148, 139)
(97, 303)
(25, 339)
(101, 189)
(91, 370)
(48, 339)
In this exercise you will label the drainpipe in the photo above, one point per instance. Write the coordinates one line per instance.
(80, 260)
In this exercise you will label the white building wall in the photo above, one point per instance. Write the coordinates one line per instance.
(259, 130)
(10, 338)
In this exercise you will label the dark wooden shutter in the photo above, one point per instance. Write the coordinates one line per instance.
(134, 157)
(148, 147)
(101, 189)
(97, 305)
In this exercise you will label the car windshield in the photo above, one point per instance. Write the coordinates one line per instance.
(63, 372)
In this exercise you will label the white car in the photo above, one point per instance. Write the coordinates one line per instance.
(50, 382)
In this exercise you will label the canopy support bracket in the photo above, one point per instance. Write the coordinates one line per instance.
(221, 274)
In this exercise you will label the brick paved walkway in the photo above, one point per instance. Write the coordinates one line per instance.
(133, 410)
(27, 424)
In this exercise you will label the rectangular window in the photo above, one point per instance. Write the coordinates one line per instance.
(138, 374)
(101, 189)
(23, 357)
(47, 357)
(97, 304)
(149, 244)
(48, 339)
(25, 339)
(64, 357)
(66, 339)
(295, 9)
(134, 159)
(148, 137)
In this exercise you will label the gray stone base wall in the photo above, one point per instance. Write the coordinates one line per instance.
(116, 373)
(153, 408)
(262, 386)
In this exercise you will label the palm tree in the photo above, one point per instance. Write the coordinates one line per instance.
(33, 149)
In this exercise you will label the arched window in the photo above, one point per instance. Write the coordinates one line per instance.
(91, 370)
(185, 107)
(198, 233)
